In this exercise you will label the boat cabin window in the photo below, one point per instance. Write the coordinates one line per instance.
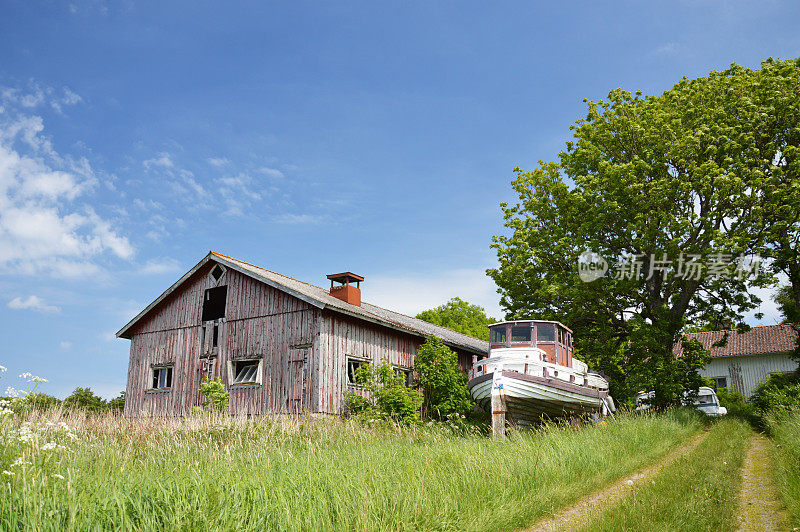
(521, 334)
(545, 332)
(498, 335)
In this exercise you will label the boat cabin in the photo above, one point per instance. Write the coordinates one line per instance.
(551, 337)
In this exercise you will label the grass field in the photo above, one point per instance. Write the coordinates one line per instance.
(699, 491)
(329, 474)
(786, 433)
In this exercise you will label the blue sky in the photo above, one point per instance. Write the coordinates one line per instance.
(308, 138)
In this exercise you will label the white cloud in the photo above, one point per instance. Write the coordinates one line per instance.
(162, 160)
(413, 293)
(668, 48)
(160, 266)
(34, 303)
(65, 345)
(42, 229)
(238, 193)
(298, 219)
(37, 96)
(272, 172)
(217, 161)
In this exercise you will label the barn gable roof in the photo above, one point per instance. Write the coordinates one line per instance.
(759, 340)
(321, 298)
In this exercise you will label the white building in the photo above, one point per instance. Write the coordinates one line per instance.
(747, 358)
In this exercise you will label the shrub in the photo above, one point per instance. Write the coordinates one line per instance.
(737, 405)
(216, 395)
(387, 396)
(444, 385)
(85, 399)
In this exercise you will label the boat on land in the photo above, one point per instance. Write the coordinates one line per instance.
(531, 372)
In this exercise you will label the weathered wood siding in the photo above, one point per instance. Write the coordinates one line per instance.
(303, 350)
(260, 323)
(743, 373)
(342, 337)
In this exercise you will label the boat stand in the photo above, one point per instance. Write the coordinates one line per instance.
(498, 408)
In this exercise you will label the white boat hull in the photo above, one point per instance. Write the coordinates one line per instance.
(528, 398)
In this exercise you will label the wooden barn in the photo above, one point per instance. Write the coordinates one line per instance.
(280, 345)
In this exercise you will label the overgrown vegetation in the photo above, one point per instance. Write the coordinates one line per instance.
(699, 491)
(785, 429)
(443, 383)
(214, 472)
(387, 395)
(216, 396)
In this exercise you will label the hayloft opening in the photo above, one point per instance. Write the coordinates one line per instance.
(214, 303)
(217, 272)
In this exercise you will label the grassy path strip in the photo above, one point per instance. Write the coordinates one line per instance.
(697, 491)
(786, 433)
(760, 508)
(577, 515)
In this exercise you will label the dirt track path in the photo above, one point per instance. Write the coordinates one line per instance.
(760, 507)
(581, 513)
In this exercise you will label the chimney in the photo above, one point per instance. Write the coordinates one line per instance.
(348, 289)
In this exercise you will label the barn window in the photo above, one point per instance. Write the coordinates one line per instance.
(720, 382)
(352, 365)
(217, 272)
(162, 377)
(407, 374)
(214, 303)
(244, 372)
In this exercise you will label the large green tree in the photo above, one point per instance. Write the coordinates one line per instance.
(671, 190)
(460, 316)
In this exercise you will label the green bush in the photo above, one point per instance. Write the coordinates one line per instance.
(444, 385)
(386, 395)
(737, 405)
(86, 400)
(777, 394)
(216, 395)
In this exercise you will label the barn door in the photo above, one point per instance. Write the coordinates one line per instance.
(298, 387)
(205, 371)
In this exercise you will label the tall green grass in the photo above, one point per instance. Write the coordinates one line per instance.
(698, 491)
(301, 474)
(785, 429)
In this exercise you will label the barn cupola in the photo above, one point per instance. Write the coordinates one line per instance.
(347, 287)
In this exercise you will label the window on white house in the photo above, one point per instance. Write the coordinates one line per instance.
(162, 377)
(720, 382)
(246, 372)
(352, 365)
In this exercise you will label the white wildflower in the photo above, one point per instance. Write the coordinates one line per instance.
(9, 473)
(56, 475)
(11, 392)
(49, 446)
(3, 369)
(20, 461)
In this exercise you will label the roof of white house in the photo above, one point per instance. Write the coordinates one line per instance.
(321, 298)
(759, 340)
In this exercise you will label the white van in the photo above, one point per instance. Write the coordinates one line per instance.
(706, 402)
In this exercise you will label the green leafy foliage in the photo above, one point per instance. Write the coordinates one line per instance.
(737, 405)
(460, 316)
(444, 385)
(86, 400)
(776, 396)
(386, 395)
(216, 395)
(708, 169)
